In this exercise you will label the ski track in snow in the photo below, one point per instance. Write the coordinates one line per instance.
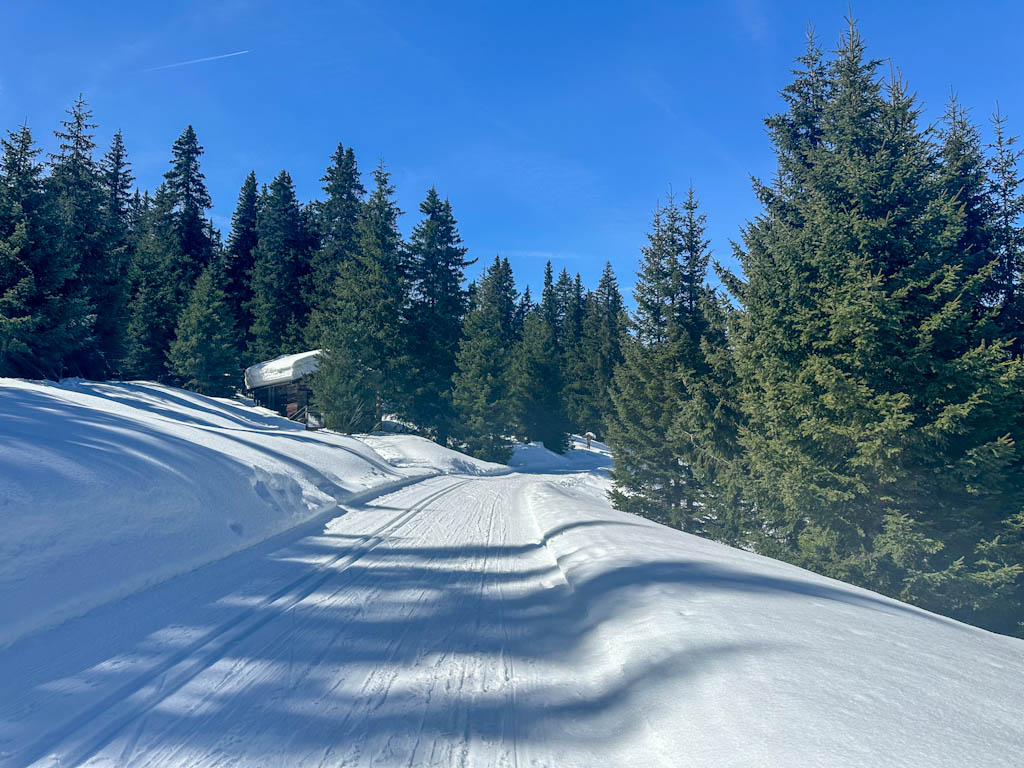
(514, 621)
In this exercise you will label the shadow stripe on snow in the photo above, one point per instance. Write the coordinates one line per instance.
(164, 679)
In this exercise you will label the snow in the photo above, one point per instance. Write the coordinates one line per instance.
(411, 451)
(281, 370)
(108, 488)
(464, 618)
(528, 457)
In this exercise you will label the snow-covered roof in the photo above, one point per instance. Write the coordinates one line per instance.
(281, 370)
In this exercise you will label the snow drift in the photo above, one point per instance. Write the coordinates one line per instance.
(107, 488)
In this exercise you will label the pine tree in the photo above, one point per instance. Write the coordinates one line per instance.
(525, 306)
(882, 412)
(280, 275)
(44, 318)
(154, 305)
(174, 243)
(113, 289)
(186, 186)
(362, 343)
(437, 304)
(549, 304)
(653, 461)
(964, 180)
(241, 258)
(204, 355)
(535, 386)
(481, 384)
(74, 184)
(604, 326)
(1006, 192)
(338, 227)
(706, 430)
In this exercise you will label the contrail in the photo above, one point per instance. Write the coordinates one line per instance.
(195, 61)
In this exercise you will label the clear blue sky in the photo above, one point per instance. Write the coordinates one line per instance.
(553, 128)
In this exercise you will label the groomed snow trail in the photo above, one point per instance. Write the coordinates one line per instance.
(508, 621)
(387, 641)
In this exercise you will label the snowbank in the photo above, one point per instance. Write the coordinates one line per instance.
(108, 488)
(410, 451)
(733, 659)
(534, 457)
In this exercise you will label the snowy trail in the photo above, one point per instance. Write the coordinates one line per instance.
(389, 647)
(513, 620)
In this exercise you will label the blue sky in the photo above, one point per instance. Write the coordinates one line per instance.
(554, 128)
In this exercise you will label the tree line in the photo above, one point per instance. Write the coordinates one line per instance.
(100, 280)
(851, 400)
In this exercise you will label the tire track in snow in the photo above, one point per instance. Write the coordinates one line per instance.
(140, 696)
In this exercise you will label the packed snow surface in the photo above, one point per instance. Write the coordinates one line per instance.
(472, 619)
(282, 370)
(106, 488)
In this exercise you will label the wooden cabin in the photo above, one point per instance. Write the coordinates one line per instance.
(282, 385)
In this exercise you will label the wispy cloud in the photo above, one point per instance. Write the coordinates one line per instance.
(196, 61)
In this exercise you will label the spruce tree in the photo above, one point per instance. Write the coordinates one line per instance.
(882, 411)
(338, 228)
(154, 305)
(535, 386)
(437, 304)
(186, 186)
(280, 275)
(75, 186)
(174, 243)
(525, 306)
(113, 288)
(549, 304)
(241, 258)
(604, 326)
(481, 394)
(204, 355)
(45, 317)
(653, 465)
(363, 348)
(1006, 193)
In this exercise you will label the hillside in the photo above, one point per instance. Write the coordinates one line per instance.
(188, 580)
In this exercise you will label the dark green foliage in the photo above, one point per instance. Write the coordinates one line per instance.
(664, 359)
(1006, 191)
(437, 304)
(203, 355)
(174, 243)
(112, 289)
(280, 275)
(44, 316)
(588, 395)
(535, 386)
(337, 225)
(186, 186)
(882, 410)
(486, 420)
(524, 308)
(241, 258)
(548, 303)
(75, 188)
(362, 340)
(154, 306)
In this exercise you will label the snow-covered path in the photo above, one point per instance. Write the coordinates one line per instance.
(513, 620)
(398, 636)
